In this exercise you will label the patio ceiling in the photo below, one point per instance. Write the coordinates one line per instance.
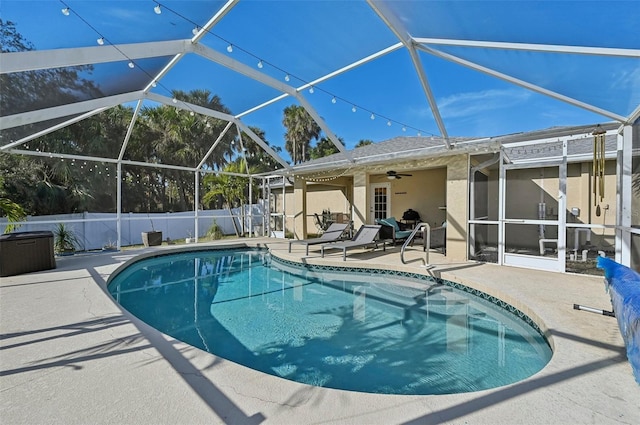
(262, 56)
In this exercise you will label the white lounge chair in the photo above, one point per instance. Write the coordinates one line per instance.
(365, 236)
(332, 234)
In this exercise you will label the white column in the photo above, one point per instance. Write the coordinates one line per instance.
(196, 203)
(119, 204)
(501, 190)
(250, 206)
(623, 196)
(562, 208)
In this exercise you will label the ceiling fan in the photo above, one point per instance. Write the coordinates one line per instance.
(394, 175)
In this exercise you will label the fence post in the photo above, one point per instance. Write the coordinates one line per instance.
(84, 230)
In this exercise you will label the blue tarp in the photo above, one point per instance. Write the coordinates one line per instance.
(623, 285)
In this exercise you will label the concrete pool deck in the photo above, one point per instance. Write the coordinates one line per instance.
(70, 355)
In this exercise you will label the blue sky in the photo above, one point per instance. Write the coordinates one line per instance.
(308, 39)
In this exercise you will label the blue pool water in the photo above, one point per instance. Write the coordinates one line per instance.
(366, 332)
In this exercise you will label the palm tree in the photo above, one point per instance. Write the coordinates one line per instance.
(301, 128)
(13, 211)
(324, 147)
(228, 187)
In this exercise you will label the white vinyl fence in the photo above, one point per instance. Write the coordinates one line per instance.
(95, 230)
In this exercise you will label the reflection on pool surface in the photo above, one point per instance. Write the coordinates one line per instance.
(362, 332)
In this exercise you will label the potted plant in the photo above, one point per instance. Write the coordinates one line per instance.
(152, 238)
(65, 240)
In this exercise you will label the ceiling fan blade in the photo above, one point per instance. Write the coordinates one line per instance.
(396, 175)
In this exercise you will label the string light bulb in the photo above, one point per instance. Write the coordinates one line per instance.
(65, 11)
(100, 41)
(157, 9)
(230, 48)
(131, 65)
(373, 117)
(311, 89)
(287, 78)
(195, 30)
(260, 65)
(353, 109)
(333, 100)
(389, 123)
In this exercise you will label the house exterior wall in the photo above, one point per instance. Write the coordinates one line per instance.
(300, 206)
(580, 195)
(360, 199)
(424, 192)
(438, 194)
(526, 188)
(457, 207)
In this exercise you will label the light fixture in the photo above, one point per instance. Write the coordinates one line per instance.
(404, 128)
(287, 78)
(195, 30)
(100, 41)
(230, 48)
(65, 11)
(260, 64)
(131, 65)
(373, 117)
(353, 109)
(311, 89)
(157, 9)
(154, 84)
(333, 100)
(389, 123)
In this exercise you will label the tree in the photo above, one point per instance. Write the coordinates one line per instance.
(229, 188)
(174, 136)
(364, 142)
(30, 90)
(13, 211)
(301, 128)
(324, 147)
(258, 160)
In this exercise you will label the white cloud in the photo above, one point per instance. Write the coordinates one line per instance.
(480, 102)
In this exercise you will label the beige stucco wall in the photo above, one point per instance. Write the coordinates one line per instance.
(360, 199)
(579, 194)
(457, 207)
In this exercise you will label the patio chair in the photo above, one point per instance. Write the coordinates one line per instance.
(322, 223)
(332, 234)
(365, 236)
(392, 230)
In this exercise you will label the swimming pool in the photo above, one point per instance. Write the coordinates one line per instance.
(368, 331)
